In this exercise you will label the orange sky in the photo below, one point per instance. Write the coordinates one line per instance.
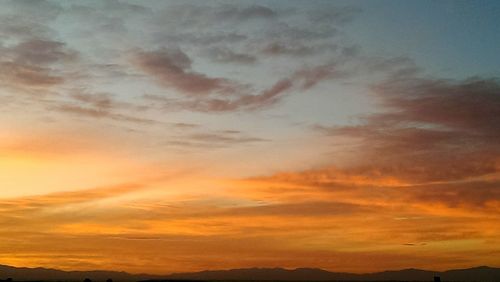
(162, 219)
(155, 137)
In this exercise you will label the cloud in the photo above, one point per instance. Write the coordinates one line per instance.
(309, 77)
(299, 209)
(428, 165)
(330, 226)
(288, 40)
(37, 58)
(433, 130)
(38, 11)
(275, 34)
(33, 63)
(105, 17)
(334, 15)
(226, 55)
(30, 57)
(100, 100)
(437, 214)
(223, 138)
(200, 15)
(70, 197)
(172, 67)
(40, 52)
(265, 98)
(214, 139)
(92, 112)
(20, 76)
(471, 106)
(98, 106)
(23, 28)
(478, 194)
(202, 39)
(245, 13)
(42, 214)
(384, 189)
(285, 49)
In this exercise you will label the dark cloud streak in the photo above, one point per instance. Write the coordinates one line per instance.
(434, 130)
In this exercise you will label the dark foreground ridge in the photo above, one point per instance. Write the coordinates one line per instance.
(479, 274)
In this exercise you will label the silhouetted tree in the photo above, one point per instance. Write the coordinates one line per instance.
(87, 280)
(9, 280)
(109, 280)
(437, 279)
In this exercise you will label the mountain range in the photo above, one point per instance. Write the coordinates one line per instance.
(480, 274)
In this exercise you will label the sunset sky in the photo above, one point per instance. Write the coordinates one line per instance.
(172, 136)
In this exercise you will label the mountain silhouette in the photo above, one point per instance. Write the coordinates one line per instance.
(483, 274)
(46, 274)
(480, 274)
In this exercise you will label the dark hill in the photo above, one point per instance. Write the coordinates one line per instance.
(45, 274)
(480, 274)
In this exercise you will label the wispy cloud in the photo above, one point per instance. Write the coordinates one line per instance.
(31, 63)
(172, 68)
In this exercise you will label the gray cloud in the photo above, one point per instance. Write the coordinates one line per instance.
(13, 26)
(200, 39)
(276, 48)
(434, 130)
(19, 76)
(34, 63)
(224, 137)
(82, 103)
(200, 15)
(35, 11)
(41, 52)
(236, 102)
(225, 34)
(234, 96)
(172, 67)
(334, 15)
(203, 139)
(226, 55)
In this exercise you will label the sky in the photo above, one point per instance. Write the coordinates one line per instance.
(174, 136)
